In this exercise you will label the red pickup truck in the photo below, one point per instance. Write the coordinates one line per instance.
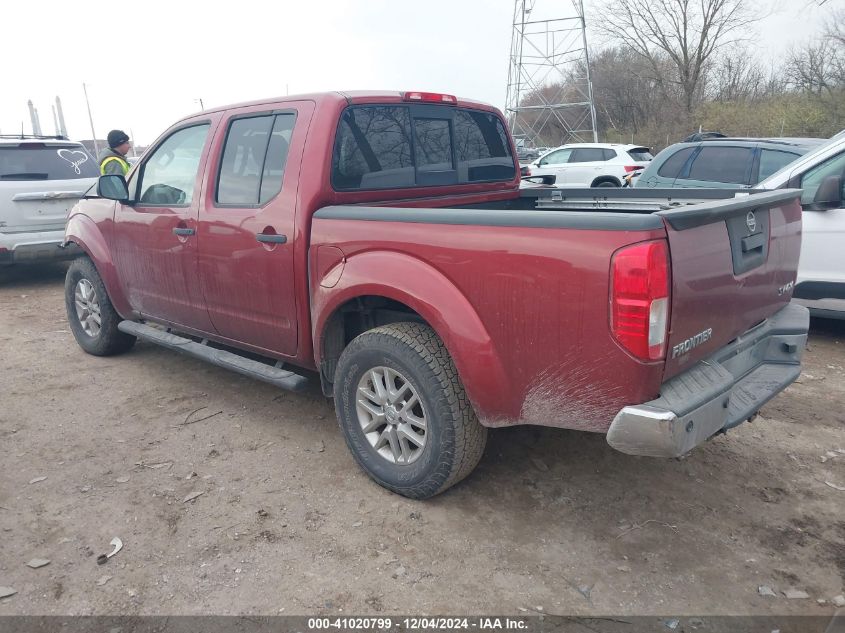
(382, 241)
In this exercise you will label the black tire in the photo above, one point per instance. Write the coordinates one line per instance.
(607, 183)
(108, 341)
(455, 440)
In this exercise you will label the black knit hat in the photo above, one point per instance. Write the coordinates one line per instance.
(117, 137)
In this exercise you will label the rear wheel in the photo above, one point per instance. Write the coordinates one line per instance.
(404, 412)
(92, 318)
(606, 183)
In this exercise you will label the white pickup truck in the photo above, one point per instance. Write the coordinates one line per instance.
(821, 271)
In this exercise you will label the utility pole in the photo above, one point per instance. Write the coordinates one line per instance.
(91, 119)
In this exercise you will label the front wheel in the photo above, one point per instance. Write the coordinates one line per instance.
(404, 412)
(92, 318)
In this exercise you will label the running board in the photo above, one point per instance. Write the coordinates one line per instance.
(229, 360)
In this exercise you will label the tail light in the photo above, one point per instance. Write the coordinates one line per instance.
(639, 298)
(629, 168)
(430, 97)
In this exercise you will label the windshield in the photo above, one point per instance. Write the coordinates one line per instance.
(37, 161)
(775, 177)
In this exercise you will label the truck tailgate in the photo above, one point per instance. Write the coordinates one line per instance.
(734, 264)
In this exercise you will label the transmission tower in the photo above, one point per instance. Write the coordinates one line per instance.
(550, 94)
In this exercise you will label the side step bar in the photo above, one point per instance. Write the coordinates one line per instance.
(246, 366)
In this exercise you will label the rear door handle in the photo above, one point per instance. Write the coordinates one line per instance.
(271, 238)
(183, 232)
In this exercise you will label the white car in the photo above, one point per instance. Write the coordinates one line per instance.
(40, 180)
(821, 270)
(588, 164)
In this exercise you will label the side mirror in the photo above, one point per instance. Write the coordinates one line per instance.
(113, 187)
(829, 194)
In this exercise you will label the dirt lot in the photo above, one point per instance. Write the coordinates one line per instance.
(287, 523)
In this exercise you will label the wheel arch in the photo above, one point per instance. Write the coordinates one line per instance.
(408, 290)
(86, 234)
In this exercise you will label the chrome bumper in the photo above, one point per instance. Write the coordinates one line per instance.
(717, 393)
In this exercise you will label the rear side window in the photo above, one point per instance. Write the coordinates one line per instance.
(640, 154)
(384, 147)
(253, 162)
(609, 154)
(774, 160)
(39, 161)
(722, 164)
(673, 165)
(587, 155)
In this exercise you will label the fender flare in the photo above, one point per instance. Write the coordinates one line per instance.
(436, 299)
(85, 233)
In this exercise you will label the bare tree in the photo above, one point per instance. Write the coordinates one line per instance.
(688, 32)
(813, 68)
(736, 76)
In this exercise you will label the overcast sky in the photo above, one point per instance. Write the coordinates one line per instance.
(147, 64)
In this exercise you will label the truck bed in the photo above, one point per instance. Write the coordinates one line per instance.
(521, 288)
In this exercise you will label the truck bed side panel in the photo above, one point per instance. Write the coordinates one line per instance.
(540, 293)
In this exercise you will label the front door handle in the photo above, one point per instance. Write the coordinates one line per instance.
(183, 232)
(271, 238)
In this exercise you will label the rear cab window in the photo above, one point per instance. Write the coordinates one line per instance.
(46, 161)
(394, 146)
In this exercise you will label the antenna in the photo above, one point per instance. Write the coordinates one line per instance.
(550, 92)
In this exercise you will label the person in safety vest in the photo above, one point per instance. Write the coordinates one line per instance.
(113, 160)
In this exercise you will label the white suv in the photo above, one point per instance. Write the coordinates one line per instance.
(40, 180)
(821, 270)
(587, 164)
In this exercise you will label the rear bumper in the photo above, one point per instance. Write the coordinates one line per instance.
(16, 248)
(718, 393)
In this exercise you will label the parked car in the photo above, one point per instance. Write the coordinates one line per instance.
(526, 154)
(821, 273)
(430, 295)
(588, 164)
(723, 162)
(41, 178)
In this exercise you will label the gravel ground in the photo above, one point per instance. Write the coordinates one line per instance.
(284, 522)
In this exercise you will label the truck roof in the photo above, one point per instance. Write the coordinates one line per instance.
(349, 96)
